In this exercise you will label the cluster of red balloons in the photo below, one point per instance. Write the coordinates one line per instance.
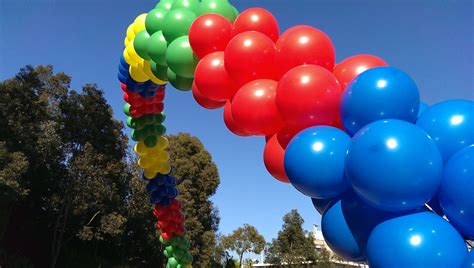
(140, 106)
(270, 84)
(169, 219)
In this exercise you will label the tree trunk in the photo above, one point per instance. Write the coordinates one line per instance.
(241, 257)
(59, 230)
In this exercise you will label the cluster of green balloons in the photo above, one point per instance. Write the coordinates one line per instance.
(164, 41)
(177, 251)
(147, 127)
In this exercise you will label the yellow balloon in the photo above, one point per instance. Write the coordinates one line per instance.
(144, 162)
(162, 142)
(130, 33)
(132, 53)
(139, 23)
(164, 156)
(127, 57)
(140, 148)
(137, 74)
(153, 78)
(166, 169)
(125, 42)
(149, 174)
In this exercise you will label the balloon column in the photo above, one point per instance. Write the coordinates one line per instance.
(352, 135)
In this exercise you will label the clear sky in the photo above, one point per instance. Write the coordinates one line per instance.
(432, 40)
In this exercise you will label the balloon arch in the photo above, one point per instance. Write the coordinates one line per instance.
(381, 167)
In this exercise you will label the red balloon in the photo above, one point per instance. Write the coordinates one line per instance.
(285, 134)
(209, 33)
(308, 95)
(230, 123)
(250, 56)
(273, 156)
(205, 102)
(351, 67)
(212, 79)
(254, 108)
(256, 19)
(304, 45)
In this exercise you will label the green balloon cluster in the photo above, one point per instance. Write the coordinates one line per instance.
(177, 251)
(164, 42)
(147, 127)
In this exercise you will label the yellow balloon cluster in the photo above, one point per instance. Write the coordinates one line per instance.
(140, 69)
(153, 160)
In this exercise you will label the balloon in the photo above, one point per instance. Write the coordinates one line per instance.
(450, 124)
(140, 43)
(304, 45)
(209, 33)
(157, 48)
(256, 19)
(139, 23)
(212, 78)
(177, 23)
(250, 56)
(394, 165)
(346, 225)
(314, 162)
(165, 4)
(205, 102)
(179, 82)
(379, 93)
(456, 193)
(221, 7)
(469, 260)
(273, 156)
(191, 5)
(351, 67)
(421, 239)
(321, 204)
(230, 123)
(286, 133)
(423, 107)
(254, 109)
(180, 57)
(154, 20)
(308, 95)
(159, 71)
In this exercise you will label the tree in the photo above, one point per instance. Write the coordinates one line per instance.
(244, 239)
(293, 245)
(198, 180)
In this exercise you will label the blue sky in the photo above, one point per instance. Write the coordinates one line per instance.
(432, 40)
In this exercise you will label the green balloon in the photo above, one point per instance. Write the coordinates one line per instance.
(165, 4)
(160, 118)
(221, 7)
(126, 109)
(157, 48)
(170, 250)
(135, 135)
(159, 71)
(236, 12)
(177, 23)
(186, 4)
(150, 141)
(154, 20)
(178, 82)
(164, 242)
(140, 42)
(139, 124)
(160, 129)
(130, 122)
(172, 262)
(180, 57)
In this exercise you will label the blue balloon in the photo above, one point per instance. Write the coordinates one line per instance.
(451, 124)
(421, 239)
(394, 165)
(423, 107)
(379, 93)
(469, 260)
(314, 161)
(346, 225)
(456, 193)
(321, 204)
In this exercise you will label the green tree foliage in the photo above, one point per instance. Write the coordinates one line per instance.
(198, 179)
(70, 193)
(293, 245)
(244, 239)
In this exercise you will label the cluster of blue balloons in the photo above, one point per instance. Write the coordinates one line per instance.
(145, 89)
(376, 183)
(162, 189)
